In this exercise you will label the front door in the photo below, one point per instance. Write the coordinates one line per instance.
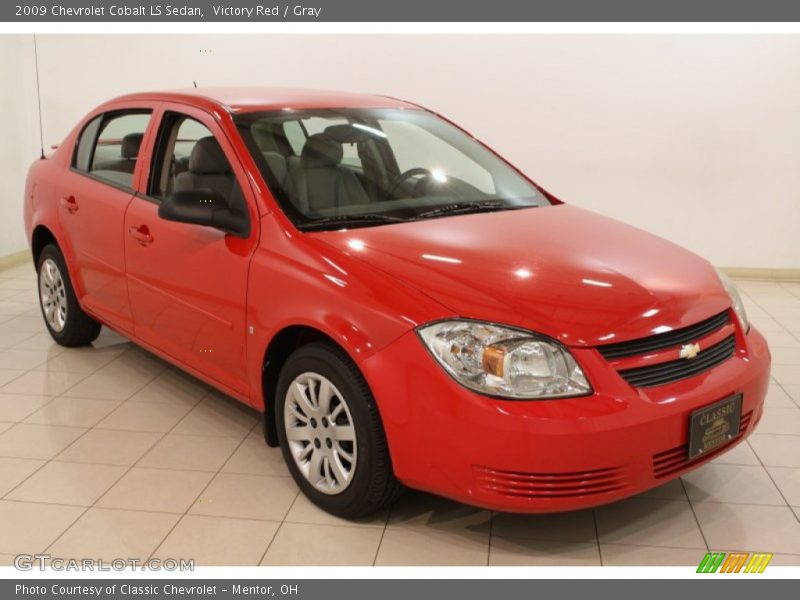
(188, 283)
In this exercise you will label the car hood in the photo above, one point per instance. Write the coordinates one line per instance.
(560, 270)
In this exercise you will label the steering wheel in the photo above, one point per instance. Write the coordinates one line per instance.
(402, 177)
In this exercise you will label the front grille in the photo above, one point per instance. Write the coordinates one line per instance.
(675, 370)
(550, 485)
(676, 459)
(665, 340)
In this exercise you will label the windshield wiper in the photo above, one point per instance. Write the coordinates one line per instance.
(457, 208)
(344, 220)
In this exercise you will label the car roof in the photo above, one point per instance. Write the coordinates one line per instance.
(249, 99)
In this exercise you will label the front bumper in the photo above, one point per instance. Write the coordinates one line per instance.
(550, 455)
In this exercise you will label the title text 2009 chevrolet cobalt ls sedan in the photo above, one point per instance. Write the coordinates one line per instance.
(404, 306)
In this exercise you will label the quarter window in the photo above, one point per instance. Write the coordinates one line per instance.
(117, 147)
(83, 153)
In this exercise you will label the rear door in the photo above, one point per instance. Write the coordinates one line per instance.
(188, 283)
(94, 197)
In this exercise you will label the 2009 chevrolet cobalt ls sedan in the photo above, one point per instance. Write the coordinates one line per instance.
(403, 306)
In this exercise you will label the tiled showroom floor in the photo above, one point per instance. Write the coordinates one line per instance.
(109, 452)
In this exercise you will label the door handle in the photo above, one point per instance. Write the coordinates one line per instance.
(70, 204)
(141, 234)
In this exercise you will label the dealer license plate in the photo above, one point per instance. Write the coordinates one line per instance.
(713, 426)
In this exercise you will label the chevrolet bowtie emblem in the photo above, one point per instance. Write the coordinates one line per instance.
(689, 350)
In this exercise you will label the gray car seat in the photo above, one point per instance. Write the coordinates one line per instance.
(277, 164)
(208, 169)
(129, 150)
(320, 182)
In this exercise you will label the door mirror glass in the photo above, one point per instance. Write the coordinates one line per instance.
(203, 207)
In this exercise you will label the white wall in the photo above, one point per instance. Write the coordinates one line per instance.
(695, 138)
(19, 135)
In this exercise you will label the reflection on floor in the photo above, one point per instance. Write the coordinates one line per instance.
(109, 452)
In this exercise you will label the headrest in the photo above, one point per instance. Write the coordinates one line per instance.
(321, 150)
(277, 164)
(348, 133)
(207, 157)
(131, 144)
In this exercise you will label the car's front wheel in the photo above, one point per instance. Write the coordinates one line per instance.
(65, 320)
(331, 434)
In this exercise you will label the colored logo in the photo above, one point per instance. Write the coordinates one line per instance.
(690, 350)
(734, 562)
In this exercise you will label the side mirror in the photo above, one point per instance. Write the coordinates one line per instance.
(203, 207)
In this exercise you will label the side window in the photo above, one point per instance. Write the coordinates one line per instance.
(117, 146)
(83, 151)
(295, 135)
(350, 156)
(414, 147)
(319, 124)
(189, 157)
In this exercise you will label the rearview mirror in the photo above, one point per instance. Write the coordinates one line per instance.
(203, 207)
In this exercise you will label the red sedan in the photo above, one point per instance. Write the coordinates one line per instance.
(404, 306)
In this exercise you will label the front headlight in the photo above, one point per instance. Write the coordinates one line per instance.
(506, 362)
(736, 300)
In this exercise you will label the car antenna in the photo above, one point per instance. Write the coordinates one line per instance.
(38, 96)
(195, 83)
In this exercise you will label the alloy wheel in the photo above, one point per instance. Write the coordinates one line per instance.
(53, 295)
(320, 433)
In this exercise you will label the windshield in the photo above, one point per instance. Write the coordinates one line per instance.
(337, 168)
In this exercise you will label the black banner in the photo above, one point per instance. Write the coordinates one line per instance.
(400, 11)
(743, 587)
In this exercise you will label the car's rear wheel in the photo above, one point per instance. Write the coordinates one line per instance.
(331, 434)
(65, 320)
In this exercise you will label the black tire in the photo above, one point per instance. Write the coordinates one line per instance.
(79, 328)
(373, 485)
